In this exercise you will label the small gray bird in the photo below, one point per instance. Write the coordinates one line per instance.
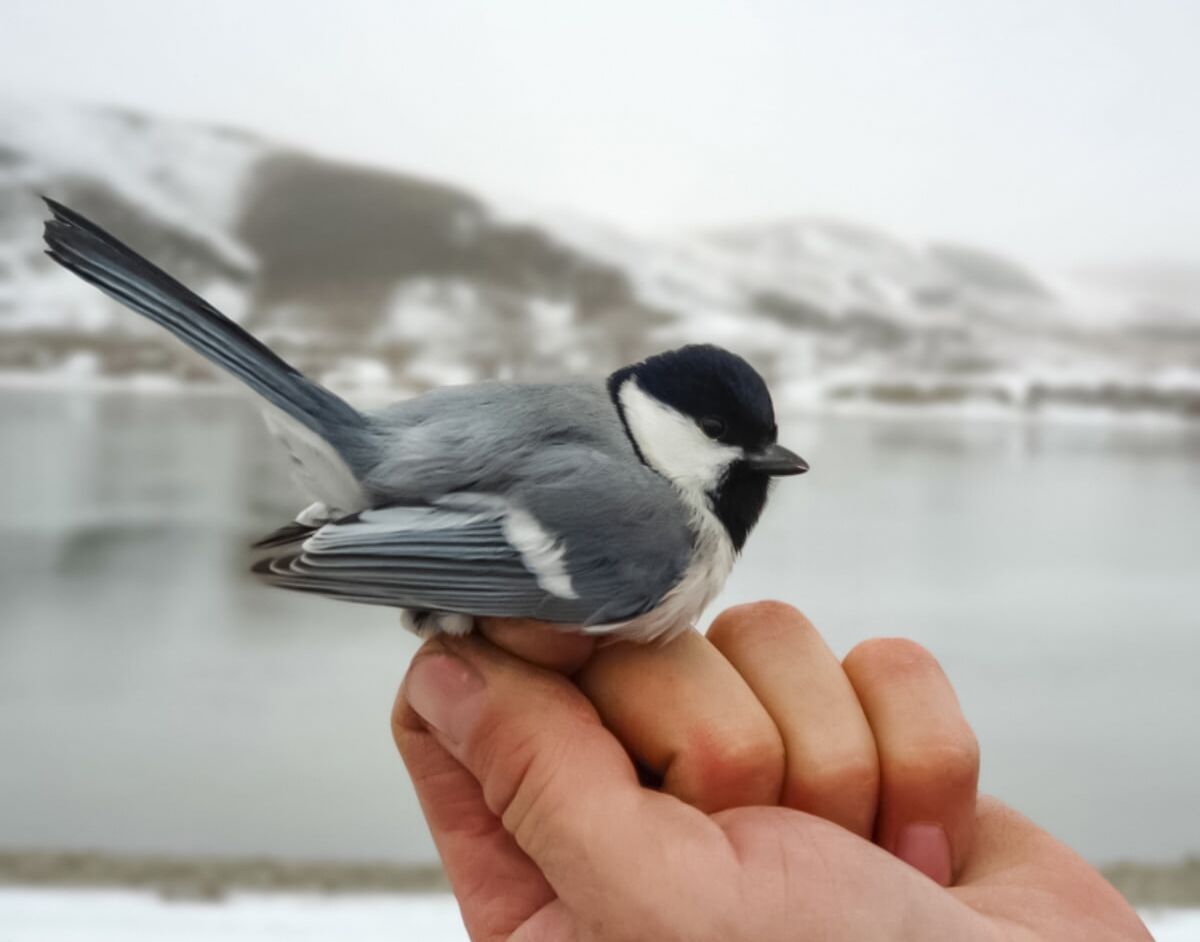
(613, 507)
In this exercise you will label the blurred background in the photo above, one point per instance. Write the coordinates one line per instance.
(962, 241)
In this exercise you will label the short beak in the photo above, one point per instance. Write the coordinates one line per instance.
(775, 459)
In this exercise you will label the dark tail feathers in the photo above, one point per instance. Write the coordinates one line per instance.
(82, 247)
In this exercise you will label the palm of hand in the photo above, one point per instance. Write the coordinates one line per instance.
(777, 875)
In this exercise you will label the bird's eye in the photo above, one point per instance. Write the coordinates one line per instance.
(712, 427)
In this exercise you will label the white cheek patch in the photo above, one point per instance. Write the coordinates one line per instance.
(673, 444)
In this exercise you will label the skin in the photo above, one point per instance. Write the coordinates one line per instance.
(802, 797)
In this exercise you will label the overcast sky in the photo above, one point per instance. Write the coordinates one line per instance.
(1058, 131)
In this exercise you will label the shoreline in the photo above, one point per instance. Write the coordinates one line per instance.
(1068, 414)
(214, 878)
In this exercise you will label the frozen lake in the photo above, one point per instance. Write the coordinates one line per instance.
(153, 698)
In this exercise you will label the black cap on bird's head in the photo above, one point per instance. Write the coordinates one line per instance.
(665, 398)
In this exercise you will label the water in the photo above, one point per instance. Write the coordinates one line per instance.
(153, 698)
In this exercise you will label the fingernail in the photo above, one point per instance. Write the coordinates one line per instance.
(447, 693)
(926, 847)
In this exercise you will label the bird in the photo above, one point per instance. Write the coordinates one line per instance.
(615, 507)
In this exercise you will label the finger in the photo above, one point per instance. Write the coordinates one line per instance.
(538, 642)
(928, 755)
(497, 886)
(557, 781)
(683, 711)
(831, 769)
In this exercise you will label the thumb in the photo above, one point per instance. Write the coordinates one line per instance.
(555, 777)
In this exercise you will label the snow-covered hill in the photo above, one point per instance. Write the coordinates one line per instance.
(372, 277)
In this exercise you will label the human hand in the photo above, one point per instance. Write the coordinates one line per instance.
(761, 712)
(546, 833)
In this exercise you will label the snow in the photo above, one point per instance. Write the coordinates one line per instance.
(74, 915)
(832, 266)
(668, 275)
(190, 177)
(1173, 925)
(59, 915)
(1018, 330)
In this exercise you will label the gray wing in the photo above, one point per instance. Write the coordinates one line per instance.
(569, 549)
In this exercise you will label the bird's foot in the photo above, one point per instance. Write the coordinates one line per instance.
(427, 624)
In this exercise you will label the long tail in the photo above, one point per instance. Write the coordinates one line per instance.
(82, 247)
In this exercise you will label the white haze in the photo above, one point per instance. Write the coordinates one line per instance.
(1058, 131)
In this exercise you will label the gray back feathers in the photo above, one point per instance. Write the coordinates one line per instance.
(557, 452)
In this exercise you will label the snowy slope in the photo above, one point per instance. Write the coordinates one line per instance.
(373, 277)
(189, 178)
(162, 176)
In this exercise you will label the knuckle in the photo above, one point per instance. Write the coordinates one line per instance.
(518, 758)
(400, 723)
(504, 759)
(571, 705)
(757, 619)
(771, 610)
(857, 779)
(845, 790)
(950, 761)
(529, 813)
(889, 657)
(736, 767)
